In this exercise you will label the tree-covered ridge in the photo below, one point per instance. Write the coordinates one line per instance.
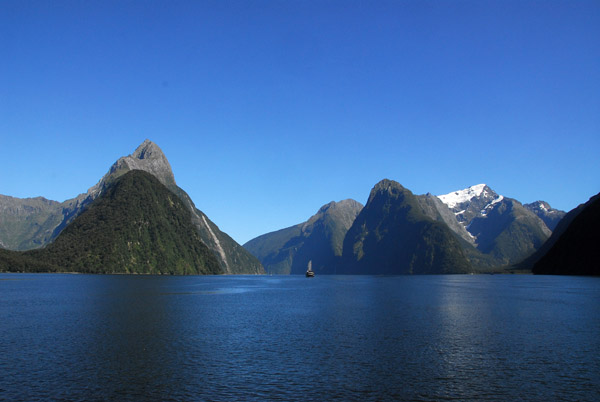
(136, 226)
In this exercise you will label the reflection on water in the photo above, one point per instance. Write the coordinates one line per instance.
(79, 337)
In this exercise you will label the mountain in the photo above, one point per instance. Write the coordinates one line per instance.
(232, 257)
(28, 223)
(471, 202)
(148, 157)
(434, 208)
(501, 229)
(34, 222)
(320, 240)
(392, 235)
(136, 225)
(508, 232)
(572, 248)
(546, 213)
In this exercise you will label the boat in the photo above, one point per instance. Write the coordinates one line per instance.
(309, 272)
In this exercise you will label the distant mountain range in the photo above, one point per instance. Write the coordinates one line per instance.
(33, 223)
(137, 220)
(470, 230)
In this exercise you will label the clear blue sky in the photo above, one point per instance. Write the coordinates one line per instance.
(269, 109)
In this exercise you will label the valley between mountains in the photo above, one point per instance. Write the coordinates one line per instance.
(137, 220)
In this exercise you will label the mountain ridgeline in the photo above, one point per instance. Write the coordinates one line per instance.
(546, 213)
(471, 230)
(137, 220)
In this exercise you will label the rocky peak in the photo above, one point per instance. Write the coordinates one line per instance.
(462, 198)
(147, 150)
(471, 202)
(386, 187)
(150, 158)
(147, 157)
(545, 212)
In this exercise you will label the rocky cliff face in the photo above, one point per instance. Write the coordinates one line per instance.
(148, 157)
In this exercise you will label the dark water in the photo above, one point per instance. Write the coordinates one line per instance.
(79, 337)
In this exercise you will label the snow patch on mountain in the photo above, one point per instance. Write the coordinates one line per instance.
(459, 197)
(489, 206)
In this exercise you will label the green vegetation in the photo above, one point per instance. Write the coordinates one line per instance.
(136, 226)
(28, 223)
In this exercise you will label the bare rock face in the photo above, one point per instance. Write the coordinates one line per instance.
(147, 157)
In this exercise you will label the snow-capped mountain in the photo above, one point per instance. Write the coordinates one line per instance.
(502, 228)
(471, 202)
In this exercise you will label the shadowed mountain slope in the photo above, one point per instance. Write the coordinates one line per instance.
(392, 235)
(573, 247)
